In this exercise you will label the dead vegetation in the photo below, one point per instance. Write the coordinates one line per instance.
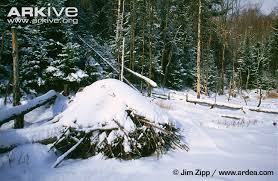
(163, 104)
(148, 138)
(232, 123)
(268, 95)
(271, 95)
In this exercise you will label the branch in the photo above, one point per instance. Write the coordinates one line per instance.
(11, 113)
(231, 117)
(62, 157)
(146, 79)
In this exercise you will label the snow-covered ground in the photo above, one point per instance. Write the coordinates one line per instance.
(216, 143)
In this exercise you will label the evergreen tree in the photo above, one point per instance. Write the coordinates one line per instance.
(274, 52)
(63, 70)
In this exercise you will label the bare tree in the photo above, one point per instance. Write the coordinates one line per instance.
(118, 30)
(199, 52)
(19, 122)
(132, 38)
(123, 60)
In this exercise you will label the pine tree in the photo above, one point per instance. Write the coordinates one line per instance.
(33, 59)
(274, 52)
(63, 70)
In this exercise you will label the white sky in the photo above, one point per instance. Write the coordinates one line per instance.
(267, 5)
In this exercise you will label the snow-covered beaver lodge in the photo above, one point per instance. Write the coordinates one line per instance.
(109, 118)
(117, 121)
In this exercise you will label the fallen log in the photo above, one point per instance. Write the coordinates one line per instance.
(146, 79)
(11, 113)
(46, 134)
(160, 96)
(213, 104)
(231, 117)
(42, 134)
(256, 109)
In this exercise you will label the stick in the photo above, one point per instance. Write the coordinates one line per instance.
(97, 129)
(231, 117)
(59, 139)
(62, 157)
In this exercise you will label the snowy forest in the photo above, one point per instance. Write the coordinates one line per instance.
(237, 47)
(140, 89)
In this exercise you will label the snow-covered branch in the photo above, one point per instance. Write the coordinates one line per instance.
(146, 79)
(11, 113)
(62, 157)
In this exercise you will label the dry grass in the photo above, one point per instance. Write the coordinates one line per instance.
(269, 95)
(163, 104)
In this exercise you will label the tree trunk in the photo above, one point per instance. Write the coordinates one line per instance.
(260, 99)
(19, 121)
(206, 70)
(133, 26)
(167, 67)
(277, 84)
(118, 26)
(199, 52)
(240, 83)
(143, 51)
(150, 46)
(8, 89)
(123, 60)
(2, 47)
(247, 79)
(222, 70)
(66, 89)
(164, 38)
(230, 90)
(233, 77)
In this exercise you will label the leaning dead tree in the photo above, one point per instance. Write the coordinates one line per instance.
(116, 68)
(18, 111)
